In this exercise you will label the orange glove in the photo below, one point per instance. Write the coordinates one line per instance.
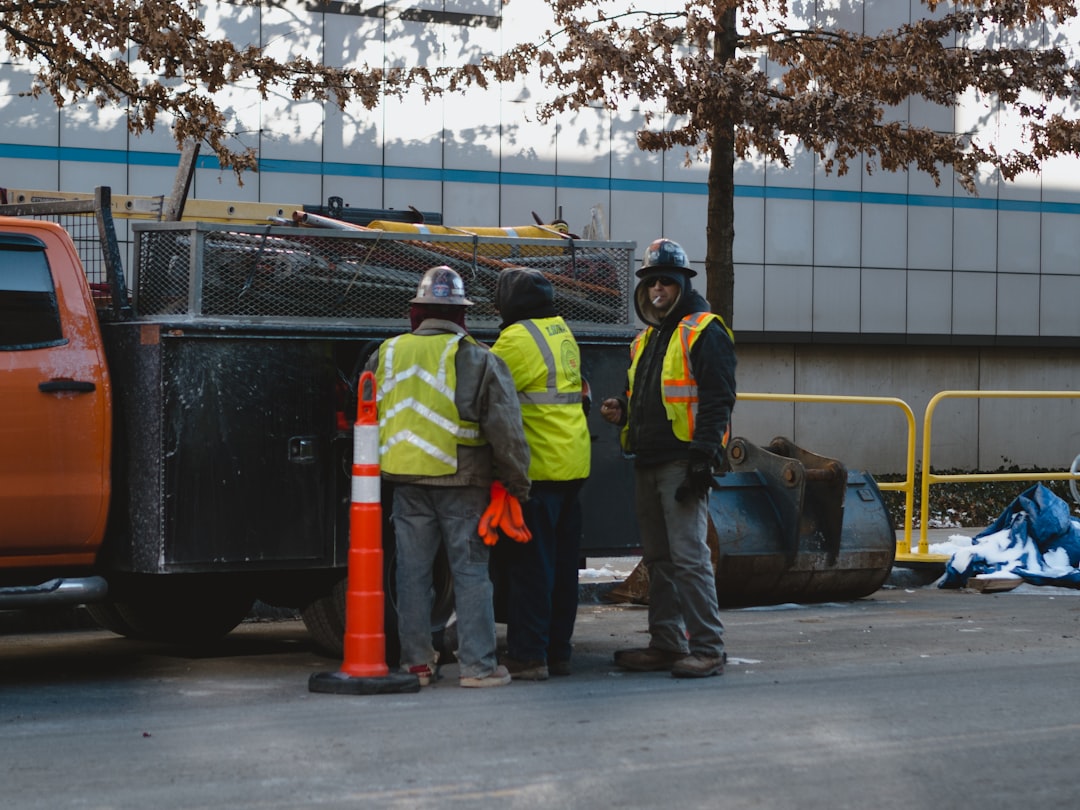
(493, 515)
(513, 522)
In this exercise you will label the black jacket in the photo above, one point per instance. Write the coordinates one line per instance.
(712, 359)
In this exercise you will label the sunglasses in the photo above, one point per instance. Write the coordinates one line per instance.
(667, 281)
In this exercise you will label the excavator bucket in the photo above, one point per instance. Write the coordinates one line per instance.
(787, 525)
(793, 526)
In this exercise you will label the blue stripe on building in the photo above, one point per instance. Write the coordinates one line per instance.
(331, 169)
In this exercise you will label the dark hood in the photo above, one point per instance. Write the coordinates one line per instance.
(522, 293)
(688, 300)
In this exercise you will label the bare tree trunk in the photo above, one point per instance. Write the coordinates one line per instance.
(720, 221)
(720, 225)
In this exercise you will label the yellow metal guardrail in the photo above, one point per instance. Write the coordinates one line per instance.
(907, 486)
(929, 477)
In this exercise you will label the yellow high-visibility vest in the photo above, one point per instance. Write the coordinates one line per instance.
(545, 362)
(419, 424)
(679, 390)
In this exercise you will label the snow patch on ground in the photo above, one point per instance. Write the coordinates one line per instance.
(606, 572)
(793, 606)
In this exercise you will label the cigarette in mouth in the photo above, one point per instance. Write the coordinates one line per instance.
(656, 301)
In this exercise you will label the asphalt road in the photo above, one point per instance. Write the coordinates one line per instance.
(911, 698)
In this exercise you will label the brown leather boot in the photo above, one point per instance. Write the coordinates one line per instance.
(698, 665)
(647, 659)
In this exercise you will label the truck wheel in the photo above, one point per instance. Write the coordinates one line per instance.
(180, 613)
(325, 617)
(109, 618)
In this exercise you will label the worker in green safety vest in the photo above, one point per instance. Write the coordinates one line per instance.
(542, 575)
(448, 419)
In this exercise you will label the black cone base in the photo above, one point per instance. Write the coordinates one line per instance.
(339, 683)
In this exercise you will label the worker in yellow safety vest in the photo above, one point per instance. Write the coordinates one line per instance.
(448, 419)
(542, 576)
(675, 419)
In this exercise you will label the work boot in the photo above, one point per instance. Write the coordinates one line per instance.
(423, 673)
(647, 659)
(699, 665)
(500, 677)
(559, 668)
(526, 670)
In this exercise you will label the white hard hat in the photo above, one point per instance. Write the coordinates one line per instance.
(441, 285)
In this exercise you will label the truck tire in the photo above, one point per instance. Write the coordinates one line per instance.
(173, 612)
(324, 617)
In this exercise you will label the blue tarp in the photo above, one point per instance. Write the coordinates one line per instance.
(1035, 538)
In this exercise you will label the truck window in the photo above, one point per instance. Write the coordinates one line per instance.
(29, 315)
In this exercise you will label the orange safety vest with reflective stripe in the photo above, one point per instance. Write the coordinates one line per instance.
(679, 391)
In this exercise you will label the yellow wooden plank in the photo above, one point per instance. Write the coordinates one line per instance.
(130, 206)
(233, 211)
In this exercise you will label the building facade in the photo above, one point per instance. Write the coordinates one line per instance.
(870, 284)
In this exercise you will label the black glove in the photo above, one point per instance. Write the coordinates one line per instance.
(699, 478)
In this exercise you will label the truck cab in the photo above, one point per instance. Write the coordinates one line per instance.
(55, 422)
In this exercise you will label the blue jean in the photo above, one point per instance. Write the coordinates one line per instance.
(425, 517)
(682, 585)
(542, 575)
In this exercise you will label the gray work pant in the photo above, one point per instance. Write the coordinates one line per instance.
(683, 607)
(425, 517)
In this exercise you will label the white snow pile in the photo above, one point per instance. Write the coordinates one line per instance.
(606, 571)
(1035, 538)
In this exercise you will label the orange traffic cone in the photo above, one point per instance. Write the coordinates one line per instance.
(363, 670)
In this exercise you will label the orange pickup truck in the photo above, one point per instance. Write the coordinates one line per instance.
(174, 453)
(165, 471)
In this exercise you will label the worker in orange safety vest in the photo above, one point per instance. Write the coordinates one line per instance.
(675, 420)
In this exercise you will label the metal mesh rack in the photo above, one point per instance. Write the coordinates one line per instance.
(89, 222)
(274, 272)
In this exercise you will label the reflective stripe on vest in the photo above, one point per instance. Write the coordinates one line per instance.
(419, 425)
(551, 395)
(544, 353)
